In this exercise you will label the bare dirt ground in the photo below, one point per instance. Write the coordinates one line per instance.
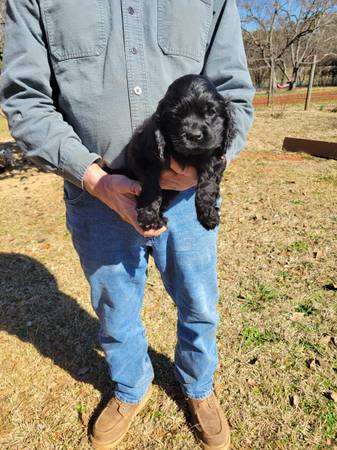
(284, 97)
(277, 377)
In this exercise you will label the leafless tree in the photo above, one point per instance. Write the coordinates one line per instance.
(285, 35)
(260, 25)
(308, 30)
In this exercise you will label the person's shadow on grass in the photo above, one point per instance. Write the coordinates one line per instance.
(36, 311)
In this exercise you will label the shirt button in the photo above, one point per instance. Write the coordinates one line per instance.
(131, 10)
(17, 116)
(134, 51)
(137, 90)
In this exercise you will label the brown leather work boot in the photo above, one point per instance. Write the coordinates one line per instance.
(210, 423)
(114, 422)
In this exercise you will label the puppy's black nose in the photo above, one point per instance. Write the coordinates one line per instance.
(194, 135)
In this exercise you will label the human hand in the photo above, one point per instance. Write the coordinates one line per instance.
(178, 179)
(118, 192)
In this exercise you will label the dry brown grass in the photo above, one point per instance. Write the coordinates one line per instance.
(278, 307)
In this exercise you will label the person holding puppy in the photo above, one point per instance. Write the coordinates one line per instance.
(79, 77)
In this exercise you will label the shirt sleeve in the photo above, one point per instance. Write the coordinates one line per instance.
(26, 94)
(226, 66)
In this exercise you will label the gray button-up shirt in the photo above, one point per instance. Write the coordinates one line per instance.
(80, 75)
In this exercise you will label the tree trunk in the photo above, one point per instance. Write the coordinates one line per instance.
(294, 78)
(311, 82)
(271, 84)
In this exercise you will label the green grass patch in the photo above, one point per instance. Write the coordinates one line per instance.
(297, 202)
(328, 178)
(310, 346)
(253, 336)
(258, 297)
(331, 421)
(81, 408)
(157, 415)
(306, 308)
(298, 246)
(284, 275)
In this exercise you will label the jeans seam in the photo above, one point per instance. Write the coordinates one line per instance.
(120, 397)
(200, 396)
(196, 397)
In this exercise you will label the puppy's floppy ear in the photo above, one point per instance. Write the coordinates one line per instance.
(160, 141)
(230, 130)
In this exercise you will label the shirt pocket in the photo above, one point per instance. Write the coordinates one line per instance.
(75, 28)
(183, 27)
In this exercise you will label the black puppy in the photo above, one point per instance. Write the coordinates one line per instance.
(194, 125)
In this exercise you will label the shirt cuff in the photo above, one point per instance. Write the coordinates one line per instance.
(75, 163)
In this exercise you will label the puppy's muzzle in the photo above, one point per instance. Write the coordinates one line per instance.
(194, 136)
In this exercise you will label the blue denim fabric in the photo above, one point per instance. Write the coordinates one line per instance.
(114, 258)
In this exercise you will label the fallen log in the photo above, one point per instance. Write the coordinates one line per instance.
(321, 149)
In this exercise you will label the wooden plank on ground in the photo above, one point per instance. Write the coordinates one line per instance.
(315, 148)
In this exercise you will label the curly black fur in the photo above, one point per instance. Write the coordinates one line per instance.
(193, 124)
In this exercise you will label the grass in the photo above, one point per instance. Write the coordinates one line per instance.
(331, 421)
(277, 275)
(4, 134)
(253, 336)
(298, 246)
(258, 297)
(305, 308)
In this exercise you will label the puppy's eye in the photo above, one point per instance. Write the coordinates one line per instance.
(210, 111)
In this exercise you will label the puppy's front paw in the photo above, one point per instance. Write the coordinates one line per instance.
(150, 219)
(209, 217)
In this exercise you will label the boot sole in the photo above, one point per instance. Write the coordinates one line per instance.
(221, 447)
(98, 446)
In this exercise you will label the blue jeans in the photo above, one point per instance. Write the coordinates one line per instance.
(114, 258)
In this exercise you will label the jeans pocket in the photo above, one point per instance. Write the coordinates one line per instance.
(72, 194)
(183, 27)
(75, 28)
